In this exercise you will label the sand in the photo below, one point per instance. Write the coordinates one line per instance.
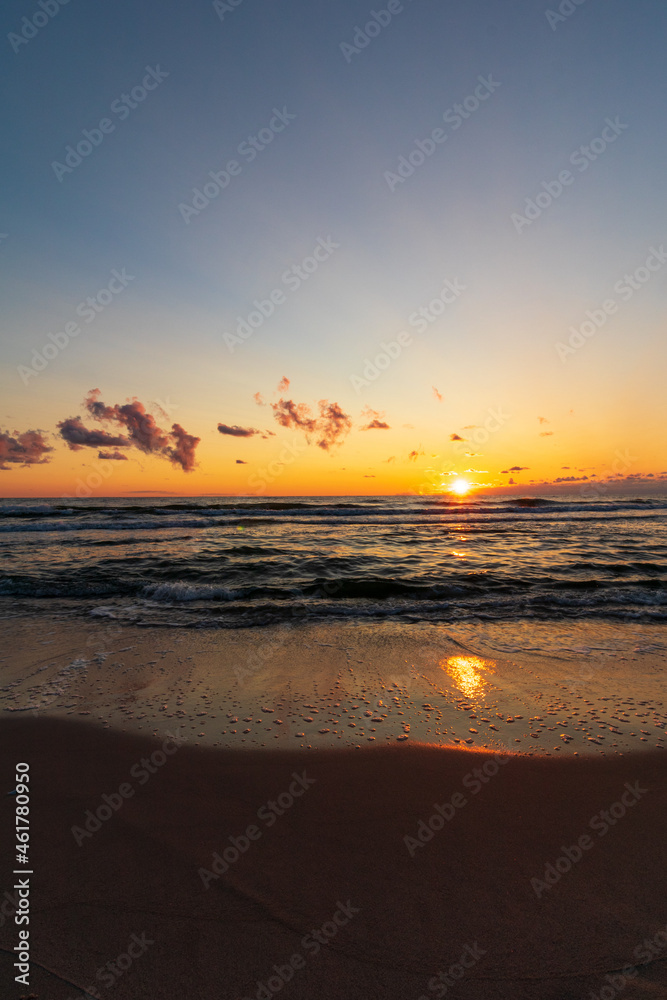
(338, 685)
(422, 864)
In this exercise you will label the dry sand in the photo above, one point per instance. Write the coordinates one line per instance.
(321, 833)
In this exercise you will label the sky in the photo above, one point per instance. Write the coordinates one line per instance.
(336, 249)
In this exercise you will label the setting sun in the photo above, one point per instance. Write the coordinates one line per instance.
(460, 486)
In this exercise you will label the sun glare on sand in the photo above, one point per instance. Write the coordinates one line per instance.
(460, 487)
(467, 672)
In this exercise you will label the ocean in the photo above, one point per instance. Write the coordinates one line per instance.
(237, 562)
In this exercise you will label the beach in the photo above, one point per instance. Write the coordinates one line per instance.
(405, 747)
(189, 817)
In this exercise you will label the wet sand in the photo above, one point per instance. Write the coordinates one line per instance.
(336, 686)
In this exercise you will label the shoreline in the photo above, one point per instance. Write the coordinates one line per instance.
(323, 685)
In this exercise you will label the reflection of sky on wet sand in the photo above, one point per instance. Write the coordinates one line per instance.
(467, 672)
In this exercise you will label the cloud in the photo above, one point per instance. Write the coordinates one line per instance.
(258, 399)
(369, 477)
(515, 468)
(388, 461)
(294, 415)
(236, 431)
(546, 434)
(455, 437)
(571, 479)
(26, 448)
(543, 420)
(438, 395)
(183, 450)
(510, 482)
(116, 456)
(77, 436)
(414, 455)
(376, 423)
(283, 385)
(471, 427)
(239, 461)
(330, 427)
(565, 467)
(473, 454)
(176, 445)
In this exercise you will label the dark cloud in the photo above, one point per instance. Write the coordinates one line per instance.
(239, 461)
(414, 455)
(239, 432)
(294, 415)
(182, 452)
(115, 456)
(455, 437)
(143, 431)
(176, 445)
(571, 479)
(77, 436)
(375, 421)
(330, 427)
(26, 448)
(333, 424)
(515, 468)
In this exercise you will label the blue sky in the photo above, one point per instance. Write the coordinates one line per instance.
(323, 177)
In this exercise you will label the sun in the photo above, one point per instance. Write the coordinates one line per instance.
(460, 486)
